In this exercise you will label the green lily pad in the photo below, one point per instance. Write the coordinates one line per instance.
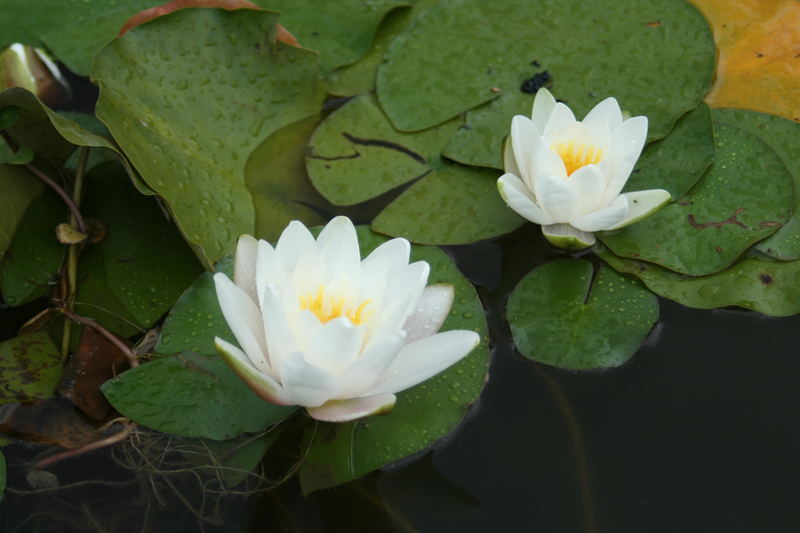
(218, 96)
(340, 31)
(746, 195)
(276, 176)
(30, 366)
(20, 189)
(73, 31)
(194, 321)
(359, 78)
(356, 155)
(758, 283)
(656, 57)
(34, 256)
(677, 162)
(193, 396)
(566, 315)
(142, 264)
(784, 137)
(424, 413)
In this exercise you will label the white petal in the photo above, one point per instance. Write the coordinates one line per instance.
(544, 162)
(244, 265)
(354, 408)
(244, 319)
(432, 310)
(294, 242)
(543, 105)
(568, 237)
(558, 198)
(337, 248)
(627, 142)
(262, 384)
(279, 338)
(426, 357)
(361, 376)
(509, 161)
(396, 251)
(520, 199)
(270, 269)
(306, 384)
(403, 290)
(335, 346)
(561, 119)
(523, 134)
(590, 184)
(605, 218)
(641, 204)
(606, 114)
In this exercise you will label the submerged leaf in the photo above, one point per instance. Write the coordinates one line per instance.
(30, 366)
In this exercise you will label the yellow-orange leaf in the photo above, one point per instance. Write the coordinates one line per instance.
(759, 54)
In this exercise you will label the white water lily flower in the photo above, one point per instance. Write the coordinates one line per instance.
(320, 328)
(567, 175)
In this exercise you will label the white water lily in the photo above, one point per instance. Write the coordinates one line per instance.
(567, 175)
(320, 328)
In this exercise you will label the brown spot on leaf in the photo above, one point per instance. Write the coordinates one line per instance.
(730, 220)
(765, 278)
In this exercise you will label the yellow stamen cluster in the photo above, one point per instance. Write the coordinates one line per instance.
(576, 155)
(327, 308)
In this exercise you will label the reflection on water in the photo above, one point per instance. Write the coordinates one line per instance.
(697, 434)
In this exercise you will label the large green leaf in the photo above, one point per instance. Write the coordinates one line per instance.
(746, 195)
(758, 283)
(30, 366)
(74, 30)
(356, 155)
(276, 176)
(35, 254)
(340, 31)
(424, 413)
(194, 321)
(676, 162)
(784, 137)
(564, 314)
(142, 264)
(656, 57)
(20, 188)
(191, 395)
(189, 96)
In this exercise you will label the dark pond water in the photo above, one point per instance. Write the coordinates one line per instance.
(697, 434)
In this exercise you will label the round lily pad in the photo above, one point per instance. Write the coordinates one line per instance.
(567, 315)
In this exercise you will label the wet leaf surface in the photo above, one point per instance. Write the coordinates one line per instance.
(721, 217)
(20, 189)
(218, 98)
(30, 366)
(567, 315)
(424, 413)
(193, 396)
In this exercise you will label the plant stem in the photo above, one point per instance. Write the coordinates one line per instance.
(74, 249)
(95, 445)
(132, 359)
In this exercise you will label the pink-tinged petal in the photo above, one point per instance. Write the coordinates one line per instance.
(425, 358)
(520, 199)
(568, 237)
(627, 142)
(244, 319)
(604, 115)
(605, 218)
(353, 409)
(337, 248)
(523, 134)
(244, 265)
(295, 242)
(306, 384)
(361, 376)
(543, 105)
(432, 310)
(561, 119)
(509, 161)
(262, 384)
(557, 198)
(335, 345)
(642, 204)
(590, 184)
